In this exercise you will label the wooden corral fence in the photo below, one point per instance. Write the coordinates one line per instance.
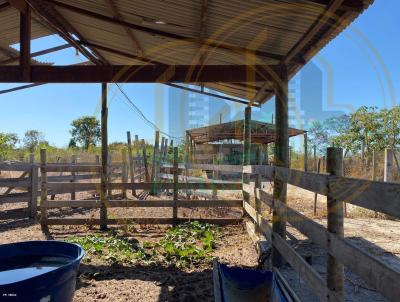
(27, 185)
(377, 196)
(50, 186)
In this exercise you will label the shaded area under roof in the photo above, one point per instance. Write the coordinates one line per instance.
(261, 133)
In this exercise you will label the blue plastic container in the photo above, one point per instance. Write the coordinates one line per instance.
(41, 271)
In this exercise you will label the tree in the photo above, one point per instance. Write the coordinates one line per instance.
(32, 139)
(7, 143)
(318, 135)
(85, 132)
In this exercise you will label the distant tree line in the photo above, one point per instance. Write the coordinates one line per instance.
(367, 129)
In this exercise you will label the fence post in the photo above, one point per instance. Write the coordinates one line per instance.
(388, 168)
(335, 270)
(146, 168)
(316, 194)
(246, 150)
(34, 187)
(154, 164)
(175, 171)
(315, 158)
(305, 152)
(109, 172)
(43, 189)
(73, 178)
(104, 158)
(130, 158)
(257, 183)
(138, 164)
(124, 171)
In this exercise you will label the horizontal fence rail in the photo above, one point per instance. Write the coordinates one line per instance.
(373, 195)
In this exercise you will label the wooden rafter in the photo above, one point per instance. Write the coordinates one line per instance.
(15, 57)
(137, 74)
(207, 43)
(25, 43)
(347, 5)
(128, 31)
(4, 6)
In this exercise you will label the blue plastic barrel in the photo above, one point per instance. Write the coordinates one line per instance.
(40, 271)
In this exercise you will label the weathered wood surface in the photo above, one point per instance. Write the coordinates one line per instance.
(143, 203)
(73, 168)
(265, 170)
(11, 166)
(140, 220)
(222, 168)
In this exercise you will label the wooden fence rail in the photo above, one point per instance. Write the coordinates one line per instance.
(373, 195)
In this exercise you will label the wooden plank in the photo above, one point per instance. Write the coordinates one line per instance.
(305, 180)
(14, 183)
(221, 168)
(373, 195)
(261, 222)
(131, 161)
(143, 203)
(73, 168)
(376, 274)
(307, 273)
(14, 214)
(141, 220)
(33, 202)
(13, 199)
(265, 170)
(9, 166)
(43, 187)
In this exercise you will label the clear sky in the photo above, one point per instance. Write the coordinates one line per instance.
(360, 67)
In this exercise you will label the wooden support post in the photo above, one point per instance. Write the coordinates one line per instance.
(104, 158)
(373, 166)
(124, 171)
(131, 163)
(73, 177)
(267, 154)
(305, 152)
(146, 168)
(316, 194)
(34, 187)
(162, 148)
(155, 163)
(43, 189)
(388, 167)
(246, 150)
(175, 171)
(315, 158)
(138, 164)
(335, 270)
(25, 43)
(281, 159)
(257, 183)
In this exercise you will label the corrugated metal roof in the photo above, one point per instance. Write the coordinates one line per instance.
(268, 26)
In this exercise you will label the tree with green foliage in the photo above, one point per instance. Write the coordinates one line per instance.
(85, 132)
(32, 139)
(7, 143)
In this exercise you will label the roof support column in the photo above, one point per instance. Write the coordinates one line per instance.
(104, 158)
(25, 43)
(246, 150)
(281, 158)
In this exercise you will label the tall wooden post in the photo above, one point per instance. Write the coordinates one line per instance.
(373, 165)
(246, 150)
(388, 168)
(138, 165)
(315, 158)
(258, 180)
(104, 158)
(281, 159)
(43, 188)
(335, 271)
(124, 171)
(175, 171)
(305, 151)
(162, 148)
(25, 43)
(146, 168)
(34, 187)
(155, 163)
(73, 177)
(130, 158)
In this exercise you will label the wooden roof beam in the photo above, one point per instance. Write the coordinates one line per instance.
(4, 6)
(136, 74)
(348, 5)
(25, 43)
(207, 42)
(128, 31)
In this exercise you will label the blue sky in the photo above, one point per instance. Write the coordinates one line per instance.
(360, 67)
